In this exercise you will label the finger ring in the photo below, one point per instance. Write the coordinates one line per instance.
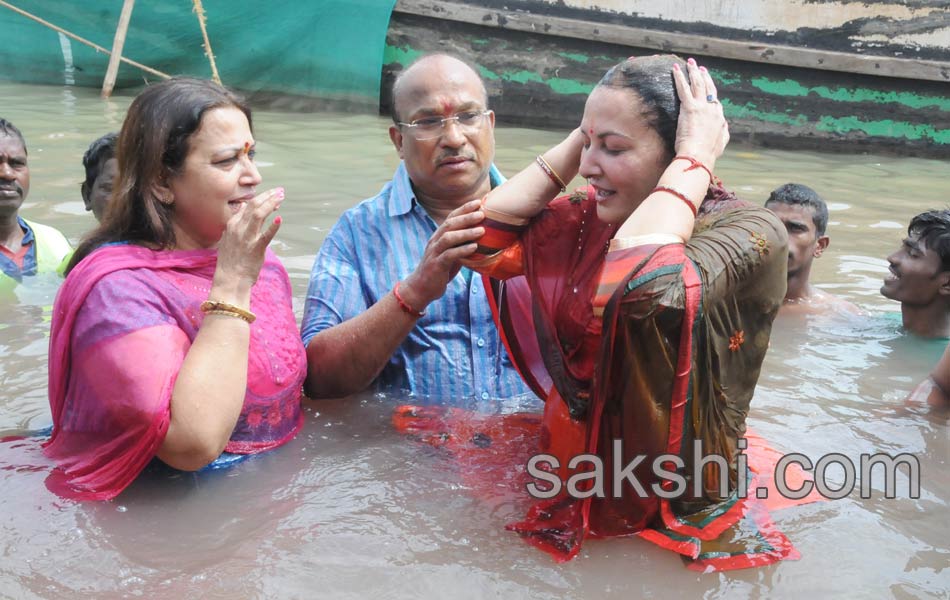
(711, 98)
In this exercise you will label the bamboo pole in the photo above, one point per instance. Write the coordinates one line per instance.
(200, 11)
(113, 71)
(83, 40)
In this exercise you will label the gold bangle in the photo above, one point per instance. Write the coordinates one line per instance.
(550, 172)
(214, 307)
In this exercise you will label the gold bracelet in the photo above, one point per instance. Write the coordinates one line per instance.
(214, 307)
(550, 172)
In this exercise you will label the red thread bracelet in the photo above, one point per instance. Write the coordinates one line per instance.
(678, 194)
(695, 164)
(405, 305)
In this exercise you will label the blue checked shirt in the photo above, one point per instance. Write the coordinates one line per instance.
(454, 355)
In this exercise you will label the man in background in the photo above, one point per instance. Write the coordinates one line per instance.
(26, 248)
(101, 169)
(920, 275)
(805, 216)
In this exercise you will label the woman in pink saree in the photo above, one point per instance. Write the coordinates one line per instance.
(173, 336)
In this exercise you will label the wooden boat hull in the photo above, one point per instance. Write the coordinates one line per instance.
(772, 93)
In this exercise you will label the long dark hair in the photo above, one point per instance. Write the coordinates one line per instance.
(152, 147)
(651, 79)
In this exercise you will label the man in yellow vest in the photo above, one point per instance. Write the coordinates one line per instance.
(26, 248)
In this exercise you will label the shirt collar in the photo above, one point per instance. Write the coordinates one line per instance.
(403, 198)
(27, 231)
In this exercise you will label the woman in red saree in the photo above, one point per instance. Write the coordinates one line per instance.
(651, 298)
(173, 335)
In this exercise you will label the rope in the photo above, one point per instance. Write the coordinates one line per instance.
(200, 11)
(84, 41)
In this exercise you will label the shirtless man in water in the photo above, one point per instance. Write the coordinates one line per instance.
(805, 216)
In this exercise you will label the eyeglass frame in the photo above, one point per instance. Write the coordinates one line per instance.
(442, 121)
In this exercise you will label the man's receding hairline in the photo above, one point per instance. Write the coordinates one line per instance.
(421, 62)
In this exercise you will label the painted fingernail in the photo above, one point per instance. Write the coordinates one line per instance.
(691, 61)
(279, 192)
(676, 67)
(703, 69)
(278, 220)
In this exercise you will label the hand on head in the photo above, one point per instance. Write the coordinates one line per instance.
(701, 132)
(454, 240)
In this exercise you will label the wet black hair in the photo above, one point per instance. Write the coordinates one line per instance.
(651, 79)
(933, 229)
(796, 194)
(9, 129)
(96, 156)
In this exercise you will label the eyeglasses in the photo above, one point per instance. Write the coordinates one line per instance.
(429, 128)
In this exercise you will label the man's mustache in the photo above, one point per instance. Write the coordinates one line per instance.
(15, 185)
(448, 155)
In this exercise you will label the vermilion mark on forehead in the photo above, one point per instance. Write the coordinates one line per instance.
(247, 147)
(447, 107)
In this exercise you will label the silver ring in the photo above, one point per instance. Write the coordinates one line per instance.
(712, 99)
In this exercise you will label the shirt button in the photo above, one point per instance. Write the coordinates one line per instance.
(480, 342)
(484, 395)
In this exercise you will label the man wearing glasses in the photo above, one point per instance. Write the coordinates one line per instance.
(388, 301)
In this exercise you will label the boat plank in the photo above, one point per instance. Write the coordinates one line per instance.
(826, 60)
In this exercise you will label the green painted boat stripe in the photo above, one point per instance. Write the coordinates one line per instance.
(558, 85)
(749, 111)
(399, 55)
(885, 128)
(581, 58)
(790, 87)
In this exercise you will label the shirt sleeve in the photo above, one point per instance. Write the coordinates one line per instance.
(738, 253)
(335, 292)
(500, 254)
(743, 253)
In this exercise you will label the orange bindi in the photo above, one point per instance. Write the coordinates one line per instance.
(247, 147)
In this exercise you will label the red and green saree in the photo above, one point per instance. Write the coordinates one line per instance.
(648, 349)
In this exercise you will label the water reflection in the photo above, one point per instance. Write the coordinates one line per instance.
(352, 509)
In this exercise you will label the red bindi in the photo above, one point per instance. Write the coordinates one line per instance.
(247, 147)
(447, 107)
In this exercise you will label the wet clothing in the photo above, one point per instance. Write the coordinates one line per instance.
(644, 349)
(47, 251)
(123, 322)
(454, 354)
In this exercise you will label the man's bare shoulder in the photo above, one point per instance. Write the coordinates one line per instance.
(820, 301)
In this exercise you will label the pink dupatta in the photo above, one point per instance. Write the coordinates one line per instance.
(123, 322)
